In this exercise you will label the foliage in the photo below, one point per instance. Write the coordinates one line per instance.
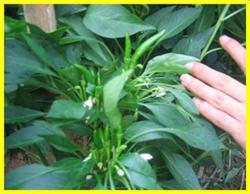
(110, 75)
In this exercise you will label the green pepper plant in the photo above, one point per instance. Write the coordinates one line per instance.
(97, 104)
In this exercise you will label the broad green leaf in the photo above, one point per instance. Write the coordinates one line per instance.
(21, 63)
(178, 20)
(156, 18)
(41, 84)
(66, 109)
(77, 128)
(169, 63)
(140, 172)
(35, 176)
(217, 157)
(232, 174)
(168, 115)
(171, 184)
(198, 136)
(113, 21)
(94, 49)
(18, 114)
(205, 20)
(58, 33)
(184, 100)
(181, 170)
(234, 28)
(61, 143)
(75, 169)
(16, 178)
(49, 181)
(37, 49)
(68, 9)
(12, 26)
(193, 44)
(49, 43)
(73, 52)
(64, 174)
(111, 95)
(71, 73)
(237, 24)
(67, 164)
(30, 135)
(166, 68)
(171, 42)
(138, 132)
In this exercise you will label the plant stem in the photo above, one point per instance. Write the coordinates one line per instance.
(234, 13)
(126, 173)
(112, 185)
(217, 26)
(125, 183)
(185, 152)
(119, 46)
(106, 180)
(77, 155)
(219, 48)
(108, 50)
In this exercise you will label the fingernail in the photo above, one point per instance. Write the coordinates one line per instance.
(189, 65)
(224, 38)
(185, 78)
(196, 101)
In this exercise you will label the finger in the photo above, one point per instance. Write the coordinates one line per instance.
(216, 98)
(235, 50)
(218, 80)
(222, 120)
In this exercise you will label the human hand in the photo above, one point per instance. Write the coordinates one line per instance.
(220, 98)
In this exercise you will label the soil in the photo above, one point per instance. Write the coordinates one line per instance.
(15, 159)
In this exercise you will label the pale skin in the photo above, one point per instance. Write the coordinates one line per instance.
(220, 98)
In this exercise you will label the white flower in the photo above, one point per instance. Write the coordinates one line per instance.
(89, 103)
(146, 156)
(89, 176)
(120, 172)
(88, 158)
(159, 92)
(100, 165)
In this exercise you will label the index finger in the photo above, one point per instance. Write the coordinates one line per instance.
(218, 80)
(235, 50)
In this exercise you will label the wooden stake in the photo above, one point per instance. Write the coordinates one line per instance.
(41, 15)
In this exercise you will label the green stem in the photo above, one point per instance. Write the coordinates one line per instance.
(66, 82)
(219, 48)
(77, 155)
(52, 82)
(111, 182)
(217, 26)
(126, 173)
(234, 13)
(98, 179)
(106, 180)
(158, 130)
(108, 50)
(184, 151)
(222, 137)
(125, 183)
(119, 46)
(213, 50)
